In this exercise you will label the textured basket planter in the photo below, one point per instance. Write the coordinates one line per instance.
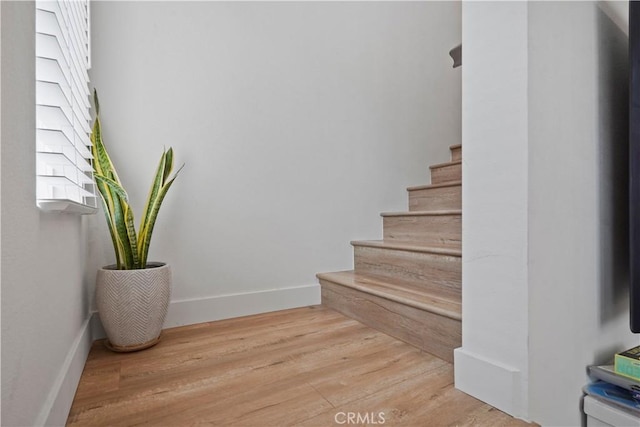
(132, 305)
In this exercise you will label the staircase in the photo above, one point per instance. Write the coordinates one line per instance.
(408, 285)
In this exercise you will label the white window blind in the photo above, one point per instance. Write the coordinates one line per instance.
(63, 146)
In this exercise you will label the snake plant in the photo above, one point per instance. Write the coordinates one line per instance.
(131, 249)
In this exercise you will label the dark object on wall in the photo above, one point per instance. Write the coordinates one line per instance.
(634, 164)
(456, 55)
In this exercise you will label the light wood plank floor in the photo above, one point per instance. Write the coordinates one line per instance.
(308, 367)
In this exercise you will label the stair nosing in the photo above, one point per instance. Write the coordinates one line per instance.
(330, 277)
(429, 186)
(441, 212)
(445, 164)
(407, 247)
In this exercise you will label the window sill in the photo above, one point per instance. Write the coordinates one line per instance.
(65, 206)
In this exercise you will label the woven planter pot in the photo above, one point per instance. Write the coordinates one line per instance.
(132, 305)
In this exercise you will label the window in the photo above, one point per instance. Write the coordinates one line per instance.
(63, 146)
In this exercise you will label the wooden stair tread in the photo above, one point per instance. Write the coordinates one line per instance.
(399, 292)
(445, 164)
(423, 213)
(429, 186)
(408, 246)
(455, 146)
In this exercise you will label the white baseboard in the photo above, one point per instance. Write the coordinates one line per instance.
(494, 383)
(56, 408)
(188, 312)
(208, 309)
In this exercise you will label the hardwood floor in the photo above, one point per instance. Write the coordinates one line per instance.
(308, 367)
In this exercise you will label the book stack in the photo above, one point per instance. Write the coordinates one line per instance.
(618, 385)
(627, 363)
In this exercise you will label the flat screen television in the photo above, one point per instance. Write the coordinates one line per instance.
(634, 164)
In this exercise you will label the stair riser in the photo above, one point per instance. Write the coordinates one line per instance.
(439, 230)
(414, 267)
(430, 332)
(439, 198)
(456, 153)
(449, 173)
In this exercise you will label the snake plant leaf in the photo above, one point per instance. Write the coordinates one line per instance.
(102, 166)
(112, 207)
(106, 176)
(102, 162)
(130, 243)
(131, 235)
(95, 102)
(145, 237)
(165, 166)
(124, 243)
(153, 192)
(168, 165)
(110, 226)
(113, 186)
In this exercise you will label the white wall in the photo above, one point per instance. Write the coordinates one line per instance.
(298, 124)
(492, 362)
(45, 310)
(578, 202)
(544, 271)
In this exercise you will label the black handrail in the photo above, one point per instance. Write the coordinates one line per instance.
(456, 55)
